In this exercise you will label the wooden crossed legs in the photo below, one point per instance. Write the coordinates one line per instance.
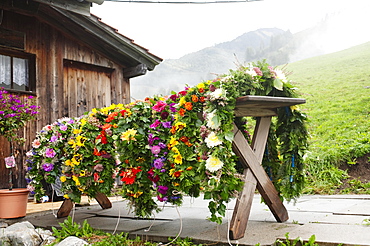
(67, 205)
(255, 176)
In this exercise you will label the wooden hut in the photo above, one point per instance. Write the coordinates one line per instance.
(68, 59)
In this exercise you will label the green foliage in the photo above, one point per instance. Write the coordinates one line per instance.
(70, 228)
(336, 87)
(357, 187)
(298, 241)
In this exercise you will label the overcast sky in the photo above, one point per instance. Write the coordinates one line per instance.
(173, 30)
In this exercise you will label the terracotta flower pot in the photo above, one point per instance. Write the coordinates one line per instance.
(13, 203)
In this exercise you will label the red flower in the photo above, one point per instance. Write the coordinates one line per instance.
(96, 177)
(103, 137)
(96, 152)
(202, 99)
(183, 93)
(129, 176)
(201, 90)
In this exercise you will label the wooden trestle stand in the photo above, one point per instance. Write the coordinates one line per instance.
(263, 108)
(67, 205)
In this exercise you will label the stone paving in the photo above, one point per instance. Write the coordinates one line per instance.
(339, 219)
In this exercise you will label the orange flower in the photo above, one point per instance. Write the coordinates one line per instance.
(189, 168)
(201, 90)
(202, 99)
(106, 126)
(173, 130)
(111, 117)
(194, 98)
(188, 106)
(182, 111)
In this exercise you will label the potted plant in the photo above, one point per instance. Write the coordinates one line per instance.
(15, 112)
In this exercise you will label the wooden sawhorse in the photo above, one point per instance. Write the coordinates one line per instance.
(67, 205)
(262, 107)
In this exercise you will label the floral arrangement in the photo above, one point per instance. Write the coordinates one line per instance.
(166, 147)
(15, 112)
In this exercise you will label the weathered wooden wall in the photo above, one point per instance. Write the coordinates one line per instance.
(96, 80)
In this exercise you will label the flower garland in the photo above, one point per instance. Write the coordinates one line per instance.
(163, 148)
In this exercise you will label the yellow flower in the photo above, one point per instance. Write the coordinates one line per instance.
(178, 159)
(63, 178)
(140, 159)
(128, 135)
(173, 142)
(80, 141)
(83, 122)
(176, 150)
(77, 131)
(172, 171)
(71, 142)
(180, 126)
(94, 110)
(175, 184)
(294, 107)
(82, 173)
(182, 101)
(201, 85)
(69, 163)
(77, 181)
(66, 196)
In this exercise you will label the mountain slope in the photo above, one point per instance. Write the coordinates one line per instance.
(337, 89)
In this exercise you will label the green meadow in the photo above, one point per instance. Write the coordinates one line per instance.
(337, 92)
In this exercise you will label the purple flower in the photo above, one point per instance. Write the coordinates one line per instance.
(156, 149)
(158, 163)
(47, 167)
(172, 108)
(50, 153)
(53, 139)
(162, 189)
(167, 124)
(151, 139)
(162, 145)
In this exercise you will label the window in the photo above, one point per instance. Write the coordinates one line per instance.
(16, 71)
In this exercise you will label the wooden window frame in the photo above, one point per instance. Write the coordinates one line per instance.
(31, 58)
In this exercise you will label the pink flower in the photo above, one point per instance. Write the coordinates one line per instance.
(50, 153)
(98, 167)
(156, 149)
(36, 143)
(258, 71)
(155, 124)
(160, 106)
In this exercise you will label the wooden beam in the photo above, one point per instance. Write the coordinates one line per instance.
(132, 72)
(78, 7)
(12, 39)
(243, 204)
(264, 184)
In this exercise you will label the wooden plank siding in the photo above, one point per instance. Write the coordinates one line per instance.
(103, 81)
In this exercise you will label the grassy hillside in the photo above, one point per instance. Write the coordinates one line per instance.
(337, 90)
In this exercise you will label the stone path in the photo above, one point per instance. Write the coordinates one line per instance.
(332, 219)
